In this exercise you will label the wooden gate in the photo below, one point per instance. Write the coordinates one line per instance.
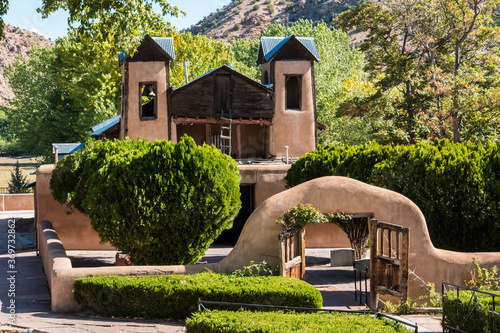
(292, 253)
(389, 259)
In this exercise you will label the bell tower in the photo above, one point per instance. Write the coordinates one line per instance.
(288, 67)
(145, 82)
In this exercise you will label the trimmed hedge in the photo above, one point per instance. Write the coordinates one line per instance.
(457, 186)
(176, 296)
(470, 313)
(246, 321)
(161, 202)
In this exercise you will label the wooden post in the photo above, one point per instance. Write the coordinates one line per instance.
(373, 265)
(405, 256)
(282, 255)
(238, 140)
(303, 253)
(207, 134)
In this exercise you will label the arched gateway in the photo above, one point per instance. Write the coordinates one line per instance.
(259, 238)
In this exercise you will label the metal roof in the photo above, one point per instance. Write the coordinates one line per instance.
(105, 125)
(167, 45)
(67, 148)
(271, 45)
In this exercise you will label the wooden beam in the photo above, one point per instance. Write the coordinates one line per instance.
(214, 121)
(238, 139)
(207, 134)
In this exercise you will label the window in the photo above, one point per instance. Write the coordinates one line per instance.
(293, 92)
(147, 100)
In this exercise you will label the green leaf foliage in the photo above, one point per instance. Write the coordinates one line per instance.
(455, 185)
(161, 203)
(247, 321)
(300, 216)
(471, 311)
(176, 296)
(59, 93)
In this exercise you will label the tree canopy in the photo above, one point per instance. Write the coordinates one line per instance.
(109, 26)
(434, 64)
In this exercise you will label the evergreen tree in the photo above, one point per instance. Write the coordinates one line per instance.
(18, 181)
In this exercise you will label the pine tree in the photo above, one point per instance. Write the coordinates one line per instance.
(18, 181)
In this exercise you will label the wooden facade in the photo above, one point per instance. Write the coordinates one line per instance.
(222, 89)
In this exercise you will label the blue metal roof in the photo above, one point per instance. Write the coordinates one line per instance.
(105, 125)
(271, 45)
(67, 148)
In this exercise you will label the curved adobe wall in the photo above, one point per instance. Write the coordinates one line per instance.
(259, 238)
(73, 229)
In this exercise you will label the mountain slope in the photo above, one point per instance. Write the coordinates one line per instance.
(16, 43)
(247, 18)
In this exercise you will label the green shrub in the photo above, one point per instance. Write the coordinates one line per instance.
(484, 279)
(301, 216)
(457, 186)
(176, 296)
(270, 8)
(256, 7)
(246, 321)
(470, 312)
(350, 161)
(161, 203)
(236, 26)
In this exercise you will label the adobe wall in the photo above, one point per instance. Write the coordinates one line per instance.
(22, 201)
(146, 129)
(73, 229)
(61, 275)
(293, 128)
(258, 240)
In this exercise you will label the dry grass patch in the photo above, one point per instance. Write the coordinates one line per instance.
(7, 165)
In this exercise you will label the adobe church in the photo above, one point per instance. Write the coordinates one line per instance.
(250, 121)
(244, 118)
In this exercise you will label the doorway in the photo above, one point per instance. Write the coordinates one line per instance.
(230, 236)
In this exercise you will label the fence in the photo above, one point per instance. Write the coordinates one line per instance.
(469, 310)
(201, 307)
(361, 274)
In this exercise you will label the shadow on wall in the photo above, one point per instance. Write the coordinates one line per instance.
(259, 238)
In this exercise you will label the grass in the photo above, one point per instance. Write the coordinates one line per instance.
(7, 165)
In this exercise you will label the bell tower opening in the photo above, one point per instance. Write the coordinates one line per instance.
(147, 101)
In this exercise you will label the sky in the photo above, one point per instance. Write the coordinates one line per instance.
(22, 14)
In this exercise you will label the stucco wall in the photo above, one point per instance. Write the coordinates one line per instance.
(258, 240)
(74, 229)
(146, 129)
(24, 201)
(293, 128)
(268, 179)
(61, 275)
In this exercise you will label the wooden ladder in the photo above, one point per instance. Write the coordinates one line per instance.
(225, 133)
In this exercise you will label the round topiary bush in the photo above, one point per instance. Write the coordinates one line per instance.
(161, 203)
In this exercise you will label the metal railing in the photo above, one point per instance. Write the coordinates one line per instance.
(201, 307)
(361, 274)
(471, 306)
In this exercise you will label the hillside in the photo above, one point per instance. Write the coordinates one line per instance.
(247, 18)
(17, 42)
